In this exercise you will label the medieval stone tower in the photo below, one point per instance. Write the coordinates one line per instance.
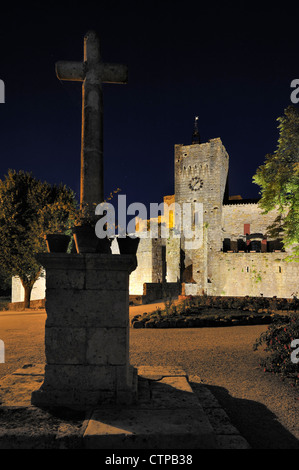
(201, 171)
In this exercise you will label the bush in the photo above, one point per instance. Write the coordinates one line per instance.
(277, 340)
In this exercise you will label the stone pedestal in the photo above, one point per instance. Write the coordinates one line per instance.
(87, 331)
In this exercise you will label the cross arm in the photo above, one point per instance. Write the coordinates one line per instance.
(72, 71)
(114, 73)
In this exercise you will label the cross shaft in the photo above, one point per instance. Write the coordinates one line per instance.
(92, 72)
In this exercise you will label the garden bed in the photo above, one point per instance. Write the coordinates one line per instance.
(201, 318)
(202, 312)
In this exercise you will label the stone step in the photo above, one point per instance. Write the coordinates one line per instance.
(168, 415)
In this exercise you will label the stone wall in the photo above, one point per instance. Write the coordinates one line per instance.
(159, 291)
(158, 260)
(150, 266)
(173, 265)
(87, 330)
(253, 274)
(234, 216)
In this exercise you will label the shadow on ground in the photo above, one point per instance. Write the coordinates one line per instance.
(255, 422)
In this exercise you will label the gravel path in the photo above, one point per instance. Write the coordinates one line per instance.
(261, 406)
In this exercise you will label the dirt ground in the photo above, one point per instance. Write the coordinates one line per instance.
(260, 405)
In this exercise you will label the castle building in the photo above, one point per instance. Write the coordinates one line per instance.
(235, 256)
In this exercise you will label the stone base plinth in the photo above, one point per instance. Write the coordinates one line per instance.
(82, 398)
(87, 331)
(173, 411)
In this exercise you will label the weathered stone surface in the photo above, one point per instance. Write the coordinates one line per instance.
(235, 441)
(72, 399)
(124, 376)
(149, 429)
(162, 421)
(103, 280)
(79, 377)
(241, 274)
(72, 307)
(149, 269)
(87, 330)
(220, 421)
(107, 346)
(158, 372)
(70, 279)
(65, 345)
(90, 261)
(205, 397)
(167, 415)
(171, 393)
(93, 72)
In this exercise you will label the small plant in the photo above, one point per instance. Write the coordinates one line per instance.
(277, 341)
(295, 301)
(170, 307)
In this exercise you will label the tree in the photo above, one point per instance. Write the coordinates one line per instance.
(279, 181)
(29, 209)
(5, 283)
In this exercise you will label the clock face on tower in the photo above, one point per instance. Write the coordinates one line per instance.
(196, 184)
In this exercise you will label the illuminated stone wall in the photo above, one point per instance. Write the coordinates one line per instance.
(173, 262)
(253, 274)
(234, 216)
(150, 266)
(214, 272)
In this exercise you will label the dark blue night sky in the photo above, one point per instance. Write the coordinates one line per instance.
(230, 65)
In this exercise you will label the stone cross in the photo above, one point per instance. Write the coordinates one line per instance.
(92, 72)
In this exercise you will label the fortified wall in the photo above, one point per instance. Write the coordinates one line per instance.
(253, 274)
(241, 218)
